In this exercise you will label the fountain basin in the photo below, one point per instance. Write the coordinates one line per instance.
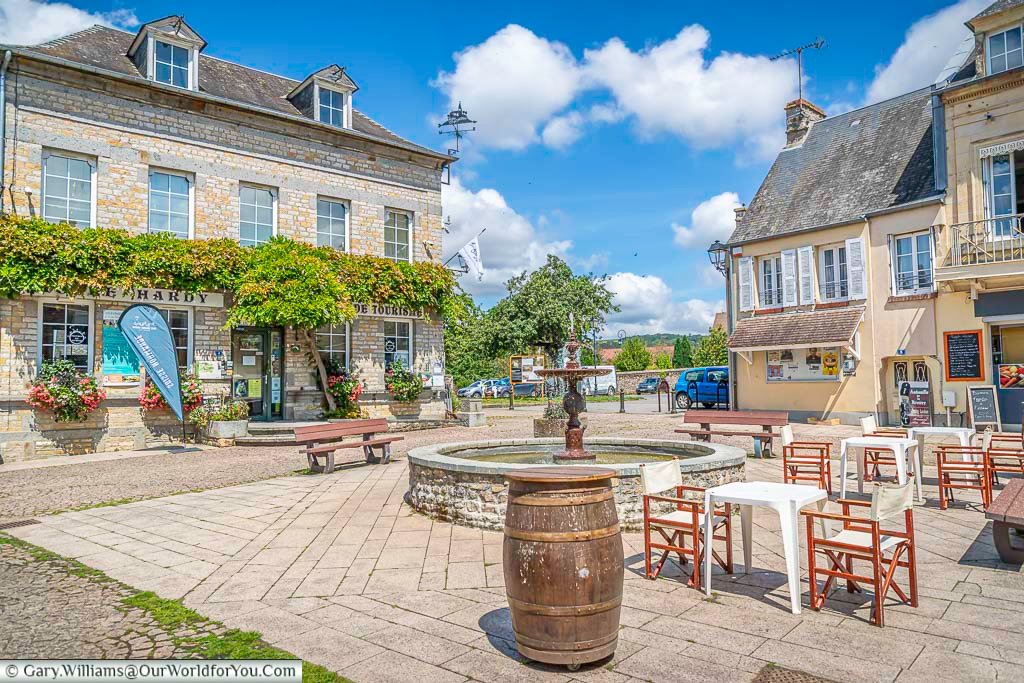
(464, 483)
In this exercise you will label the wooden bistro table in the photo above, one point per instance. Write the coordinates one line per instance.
(787, 500)
(902, 447)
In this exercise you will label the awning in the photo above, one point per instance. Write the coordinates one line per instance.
(831, 327)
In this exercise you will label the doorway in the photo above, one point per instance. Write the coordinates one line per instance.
(257, 355)
(1008, 370)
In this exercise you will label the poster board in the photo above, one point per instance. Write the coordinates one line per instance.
(120, 366)
(816, 364)
(983, 405)
(521, 369)
(965, 360)
(915, 404)
(1011, 376)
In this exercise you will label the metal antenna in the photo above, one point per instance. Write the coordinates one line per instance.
(456, 125)
(799, 52)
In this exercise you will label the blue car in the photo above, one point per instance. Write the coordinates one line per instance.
(708, 387)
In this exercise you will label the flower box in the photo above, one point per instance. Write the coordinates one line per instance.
(226, 429)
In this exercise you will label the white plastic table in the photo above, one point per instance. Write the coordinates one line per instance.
(902, 447)
(962, 433)
(786, 499)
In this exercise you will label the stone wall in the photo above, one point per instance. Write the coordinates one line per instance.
(629, 380)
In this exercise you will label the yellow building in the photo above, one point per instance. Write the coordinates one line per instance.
(885, 246)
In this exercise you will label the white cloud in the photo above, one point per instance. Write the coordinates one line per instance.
(513, 82)
(511, 244)
(648, 306)
(927, 46)
(29, 22)
(713, 219)
(516, 83)
(672, 88)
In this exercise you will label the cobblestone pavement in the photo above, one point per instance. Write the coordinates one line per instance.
(339, 571)
(50, 610)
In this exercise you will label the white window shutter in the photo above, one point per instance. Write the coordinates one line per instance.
(789, 288)
(746, 283)
(856, 264)
(805, 272)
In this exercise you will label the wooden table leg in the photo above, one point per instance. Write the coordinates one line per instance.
(1001, 536)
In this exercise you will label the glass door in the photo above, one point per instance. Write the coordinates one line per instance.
(248, 350)
(1008, 359)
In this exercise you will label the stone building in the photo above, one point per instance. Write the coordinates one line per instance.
(885, 247)
(145, 132)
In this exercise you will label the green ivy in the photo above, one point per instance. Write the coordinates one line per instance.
(283, 282)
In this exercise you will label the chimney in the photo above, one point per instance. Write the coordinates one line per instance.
(740, 211)
(800, 116)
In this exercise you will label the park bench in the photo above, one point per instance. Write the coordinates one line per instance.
(1007, 512)
(323, 440)
(766, 419)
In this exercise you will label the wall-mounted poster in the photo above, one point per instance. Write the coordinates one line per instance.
(803, 365)
(964, 359)
(1011, 376)
(120, 364)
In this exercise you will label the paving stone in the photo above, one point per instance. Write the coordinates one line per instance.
(837, 666)
(394, 667)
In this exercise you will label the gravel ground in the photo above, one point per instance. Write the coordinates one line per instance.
(30, 492)
(48, 609)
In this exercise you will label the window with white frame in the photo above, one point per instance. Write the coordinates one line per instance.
(1003, 175)
(835, 283)
(170, 207)
(68, 189)
(332, 107)
(171, 64)
(332, 343)
(397, 343)
(396, 235)
(177, 321)
(331, 224)
(1005, 50)
(256, 215)
(66, 333)
(771, 281)
(912, 263)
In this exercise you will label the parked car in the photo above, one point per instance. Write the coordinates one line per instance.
(482, 388)
(648, 385)
(603, 384)
(523, 390)
(500, 387)
(707, 386)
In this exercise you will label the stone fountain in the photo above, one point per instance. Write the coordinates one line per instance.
(573, 402)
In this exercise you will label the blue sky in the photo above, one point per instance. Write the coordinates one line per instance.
(610, 137)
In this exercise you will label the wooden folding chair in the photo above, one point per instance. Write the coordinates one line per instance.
(874, 458)
(682, 522)
(864, 539)
(962, 467)
(806, 460)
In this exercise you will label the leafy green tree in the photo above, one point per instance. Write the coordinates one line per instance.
(663, 361)
(682, 353)
(537, 309)
(633, 356)
(587, 355)
(465, 334)
(712, 349)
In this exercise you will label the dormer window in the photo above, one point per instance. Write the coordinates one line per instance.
(332, 107)
(172, 64)
(167, 51)
(1005, 50)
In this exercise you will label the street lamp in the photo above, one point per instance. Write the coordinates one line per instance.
(718, 254)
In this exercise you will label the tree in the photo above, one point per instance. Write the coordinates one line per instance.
(633, 356)
(465, 333)
(663, 361)
(587, 355)
(682, 353)
(538, 306)
(712, 349)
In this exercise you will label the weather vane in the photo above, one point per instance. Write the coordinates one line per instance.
(456, 125)
(799, 52)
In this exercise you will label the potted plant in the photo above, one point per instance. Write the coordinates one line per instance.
(554, 421)
(191, 395)
(404, 389)
(346, 390)
(62, 389)
(221, 420)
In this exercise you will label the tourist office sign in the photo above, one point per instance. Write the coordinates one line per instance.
(155, 296)
(389, 311)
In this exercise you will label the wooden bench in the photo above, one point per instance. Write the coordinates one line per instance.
(322, 441)
(1007, 512)
(766, 419)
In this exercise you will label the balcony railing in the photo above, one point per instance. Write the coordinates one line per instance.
(993, 240)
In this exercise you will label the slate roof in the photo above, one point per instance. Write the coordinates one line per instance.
(830, 327)
(862, 161)
(106, 48)
(995, 8)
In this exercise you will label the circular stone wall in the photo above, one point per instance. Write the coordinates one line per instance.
(457, 489)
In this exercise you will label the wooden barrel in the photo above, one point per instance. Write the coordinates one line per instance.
(563, 563)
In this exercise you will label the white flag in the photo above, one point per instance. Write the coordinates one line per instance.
(471, 255)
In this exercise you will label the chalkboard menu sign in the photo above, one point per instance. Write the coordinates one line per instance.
(984, 406)
(964, 361)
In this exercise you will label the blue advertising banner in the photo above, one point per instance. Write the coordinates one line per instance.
(147, 333)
